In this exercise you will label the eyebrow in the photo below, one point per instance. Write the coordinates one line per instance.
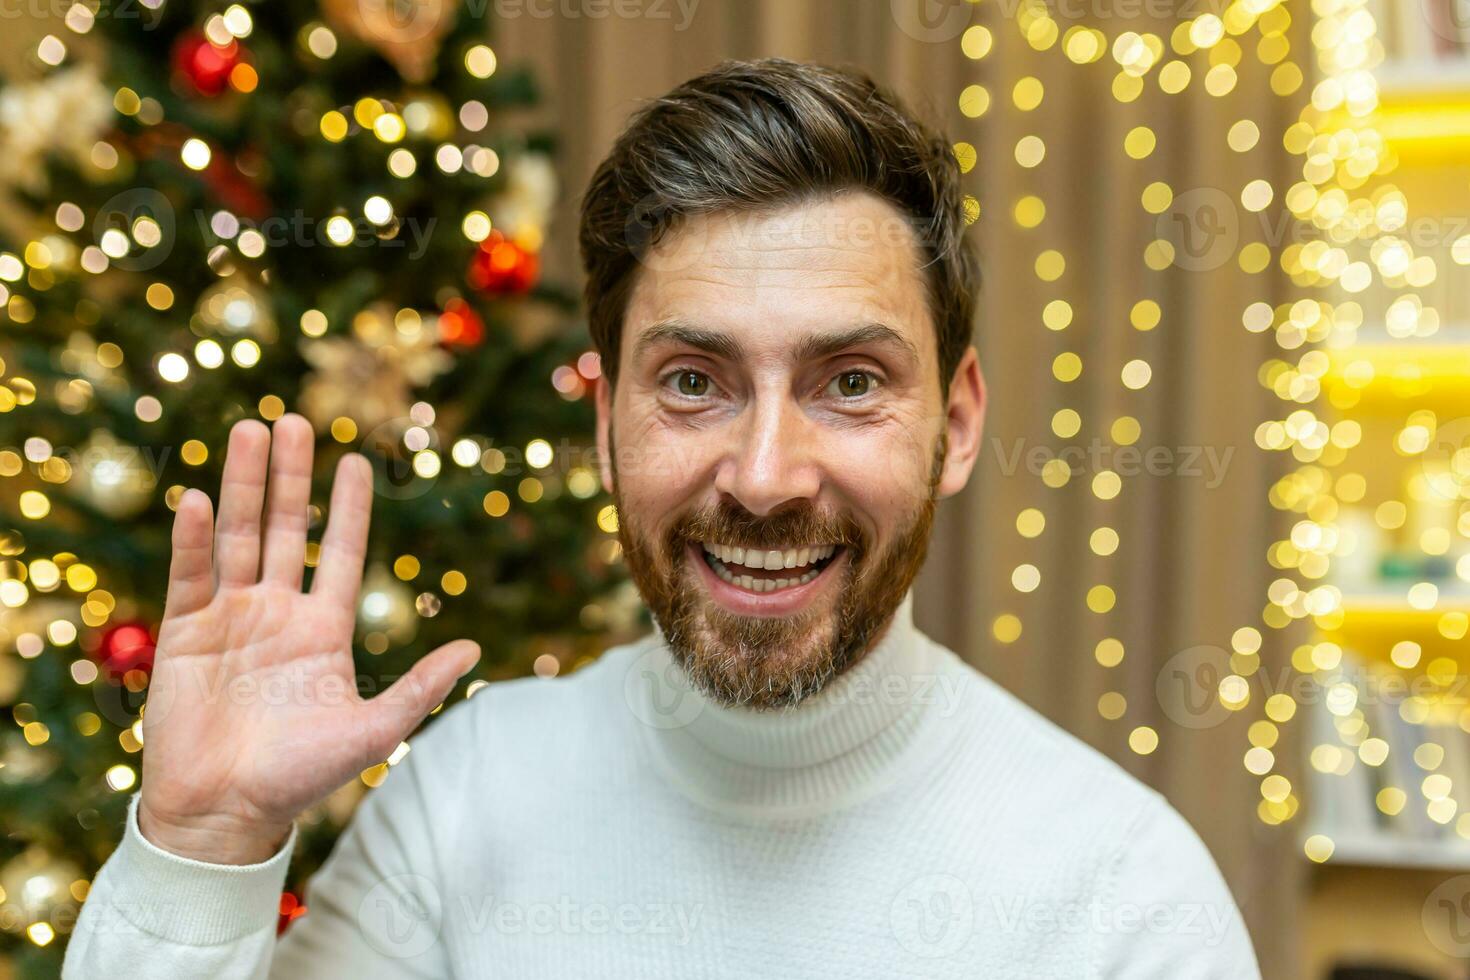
(818, 346)
(813, 347)
(680, 332)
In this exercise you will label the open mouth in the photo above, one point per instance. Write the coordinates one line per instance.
(768, 570)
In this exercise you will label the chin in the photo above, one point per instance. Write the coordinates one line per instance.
(753, 659)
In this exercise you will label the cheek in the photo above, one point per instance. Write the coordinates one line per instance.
(882, 473)
(660, 470)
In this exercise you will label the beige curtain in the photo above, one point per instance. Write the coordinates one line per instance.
(1190, 568)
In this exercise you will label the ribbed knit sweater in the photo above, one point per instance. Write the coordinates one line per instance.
(911, 820)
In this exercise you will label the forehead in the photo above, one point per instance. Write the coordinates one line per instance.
(773, 278)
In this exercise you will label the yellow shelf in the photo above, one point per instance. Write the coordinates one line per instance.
(1371, 625)
(1406, 376)
(1427, 123)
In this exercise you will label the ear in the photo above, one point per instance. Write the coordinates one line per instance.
(963, 421)
(604, 430)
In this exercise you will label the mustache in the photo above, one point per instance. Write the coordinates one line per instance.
(731, 524)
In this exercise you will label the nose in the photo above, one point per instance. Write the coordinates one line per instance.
(771, 459)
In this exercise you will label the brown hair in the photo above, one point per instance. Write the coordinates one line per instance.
(752, 135)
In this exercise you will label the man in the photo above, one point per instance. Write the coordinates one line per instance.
(787, 778)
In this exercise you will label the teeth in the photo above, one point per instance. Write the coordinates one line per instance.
(770, 559)
(760, 584)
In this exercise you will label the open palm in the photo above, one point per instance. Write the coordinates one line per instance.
(253, 711)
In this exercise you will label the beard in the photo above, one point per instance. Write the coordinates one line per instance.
(773, 662)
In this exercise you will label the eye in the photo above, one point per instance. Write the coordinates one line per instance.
(852, 384)
(690, 384)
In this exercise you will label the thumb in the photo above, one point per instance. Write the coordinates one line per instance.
(398, 710)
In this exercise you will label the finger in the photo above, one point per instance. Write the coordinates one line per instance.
(242, 490)
(339, 570)
(397, 711)
(288, 497)
(191, 569)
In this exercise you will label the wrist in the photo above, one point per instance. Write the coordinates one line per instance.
(213, 840)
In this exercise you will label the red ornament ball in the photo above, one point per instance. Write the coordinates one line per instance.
(459, 324)
(124, 647)
(503, 267)
(290, 909)
(204, 64)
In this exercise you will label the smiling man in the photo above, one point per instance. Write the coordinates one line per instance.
(786, 778)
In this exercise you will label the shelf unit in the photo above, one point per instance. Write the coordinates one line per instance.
(1383, 851)
(1368, 894)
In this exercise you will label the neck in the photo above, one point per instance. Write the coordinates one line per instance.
(843, 741)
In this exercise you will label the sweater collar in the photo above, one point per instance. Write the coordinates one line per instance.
(842, 742)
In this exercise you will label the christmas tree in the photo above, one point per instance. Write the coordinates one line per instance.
(223, 211)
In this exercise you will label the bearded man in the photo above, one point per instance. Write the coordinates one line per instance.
(786, 778)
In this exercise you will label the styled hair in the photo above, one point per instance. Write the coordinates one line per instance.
(764, 134)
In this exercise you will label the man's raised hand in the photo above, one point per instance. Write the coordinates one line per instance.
(253, 712)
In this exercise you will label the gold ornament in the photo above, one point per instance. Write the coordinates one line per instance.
(63, 114)
(370, 377)
(406, 32)
(524, 208)
(236, 306)
(112, 476)
(428, 116)
(22, 763)
(387, 606)
(38, 889)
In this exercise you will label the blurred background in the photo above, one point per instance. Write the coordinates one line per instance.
(1219, 528)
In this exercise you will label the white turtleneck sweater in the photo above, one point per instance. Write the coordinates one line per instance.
(912, 820)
